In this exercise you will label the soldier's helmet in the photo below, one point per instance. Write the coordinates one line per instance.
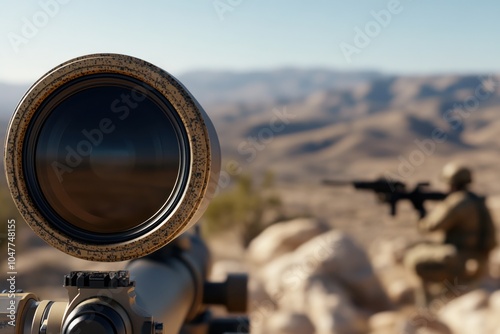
(456, 175)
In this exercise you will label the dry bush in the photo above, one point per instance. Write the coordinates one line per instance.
(248, 206)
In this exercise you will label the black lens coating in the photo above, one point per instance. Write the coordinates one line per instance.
(109, 155)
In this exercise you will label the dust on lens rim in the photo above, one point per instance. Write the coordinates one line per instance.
(29, 167)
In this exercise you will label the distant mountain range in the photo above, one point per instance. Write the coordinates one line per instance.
(312, 123)
(269, 86)
(221, 91)
(384, 124)
(213, 87)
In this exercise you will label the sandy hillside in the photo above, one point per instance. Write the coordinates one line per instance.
(404, 128)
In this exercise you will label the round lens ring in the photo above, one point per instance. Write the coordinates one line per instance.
(109, 158)
(98, 148)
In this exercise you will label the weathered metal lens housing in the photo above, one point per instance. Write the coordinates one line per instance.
(109, 157)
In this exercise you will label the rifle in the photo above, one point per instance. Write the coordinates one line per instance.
(391, 192)
(110, 158)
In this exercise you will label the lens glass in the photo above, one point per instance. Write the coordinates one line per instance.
(108, 155)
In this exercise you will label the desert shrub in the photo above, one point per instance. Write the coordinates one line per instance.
(248, 206)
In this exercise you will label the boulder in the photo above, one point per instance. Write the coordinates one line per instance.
(287, 323)
(330, 280)
(318, 306)
(470, 313)
(282, 238)
(401, 292)
(384, 322)
(330, 310)
(423, 324)
(387, 253)
(335, 255)
(494, 301)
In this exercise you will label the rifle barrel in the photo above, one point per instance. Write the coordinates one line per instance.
(337, 183)
(392, 191)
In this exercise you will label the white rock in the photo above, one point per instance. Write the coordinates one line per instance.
(384, 322)
(423, 324)
(330, 310)
(494, 301)
(401, 292)
(335, 254)
(329, 279)
(288, 323)
(386, 253)
(470, 314)
(282, 238)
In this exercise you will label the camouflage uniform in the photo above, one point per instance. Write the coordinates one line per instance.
(469, 236)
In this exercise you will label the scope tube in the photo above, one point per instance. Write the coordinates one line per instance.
(109, 158)
(169, 283)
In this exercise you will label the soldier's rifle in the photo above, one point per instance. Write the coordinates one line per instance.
(391, 192)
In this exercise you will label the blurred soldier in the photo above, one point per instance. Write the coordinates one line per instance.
(469, 236)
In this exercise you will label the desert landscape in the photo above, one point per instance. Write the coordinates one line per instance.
(304, 126)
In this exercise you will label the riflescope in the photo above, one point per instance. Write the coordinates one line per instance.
(110, 158)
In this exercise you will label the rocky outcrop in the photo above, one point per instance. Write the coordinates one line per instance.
(329, 280)
(282, 238)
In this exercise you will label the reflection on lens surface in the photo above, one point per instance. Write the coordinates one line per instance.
(108, 158)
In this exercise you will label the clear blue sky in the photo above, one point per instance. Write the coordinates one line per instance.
(425, 36)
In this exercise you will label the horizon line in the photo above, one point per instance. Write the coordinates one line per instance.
(234, 71)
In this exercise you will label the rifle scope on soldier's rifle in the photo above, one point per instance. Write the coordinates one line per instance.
(110, 158)
(391, 192)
